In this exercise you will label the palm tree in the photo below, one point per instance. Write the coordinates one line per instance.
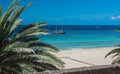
(21, 51)
(115, 54)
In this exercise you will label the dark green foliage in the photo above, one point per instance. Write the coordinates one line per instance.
(23, 52)
(115, 54)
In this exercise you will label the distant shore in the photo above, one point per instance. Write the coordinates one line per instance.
(85, 57)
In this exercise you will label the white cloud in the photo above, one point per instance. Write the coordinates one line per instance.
(115, 17)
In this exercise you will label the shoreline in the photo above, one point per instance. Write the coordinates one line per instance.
(85, 57)
(87, 48)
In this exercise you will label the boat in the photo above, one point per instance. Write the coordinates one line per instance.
(59, 31)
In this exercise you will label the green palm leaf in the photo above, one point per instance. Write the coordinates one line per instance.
(44, 46)
(31, 26)
(115, 54)
(114, 51)
(33, 32)
(116, 60)
(22, 51)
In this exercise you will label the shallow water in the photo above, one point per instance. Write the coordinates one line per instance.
(83, 36)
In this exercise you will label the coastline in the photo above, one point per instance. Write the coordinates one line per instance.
(85, 57)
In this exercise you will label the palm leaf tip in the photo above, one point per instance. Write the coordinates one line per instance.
(15, 25)
(42, 23)
(107, 55)
(29, 4)
(38, 32)
(44, 45)
(32, 28)
(114, 51)
(20, 50)
(26, 27)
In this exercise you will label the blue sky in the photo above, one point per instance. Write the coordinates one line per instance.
(71, 12)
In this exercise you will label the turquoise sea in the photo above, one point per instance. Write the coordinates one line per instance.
(83, 36)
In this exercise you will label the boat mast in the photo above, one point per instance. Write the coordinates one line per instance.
(62, 28)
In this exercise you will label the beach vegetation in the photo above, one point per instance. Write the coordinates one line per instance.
(21, 50)
(115, 53)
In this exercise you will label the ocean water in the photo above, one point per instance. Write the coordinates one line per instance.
(82, 36)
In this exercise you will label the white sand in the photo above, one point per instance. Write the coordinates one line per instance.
(95, 56)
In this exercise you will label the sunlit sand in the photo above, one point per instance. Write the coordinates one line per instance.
(85, 57)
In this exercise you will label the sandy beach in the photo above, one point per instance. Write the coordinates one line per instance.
(85, 57)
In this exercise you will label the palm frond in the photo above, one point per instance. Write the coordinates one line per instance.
(29, 39)
(44, 46)
(21, 51)
(116, 60)
(117, 50)
(5, 55)
(30, 26)
(33, 32)
(8, 12)
(15, 25)
(9, 47)
(13, 67)
(115, 55)
(11, 28)
(12, 19)
(49, 58)
(4, 19)
(40, 52)
(27, 68)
